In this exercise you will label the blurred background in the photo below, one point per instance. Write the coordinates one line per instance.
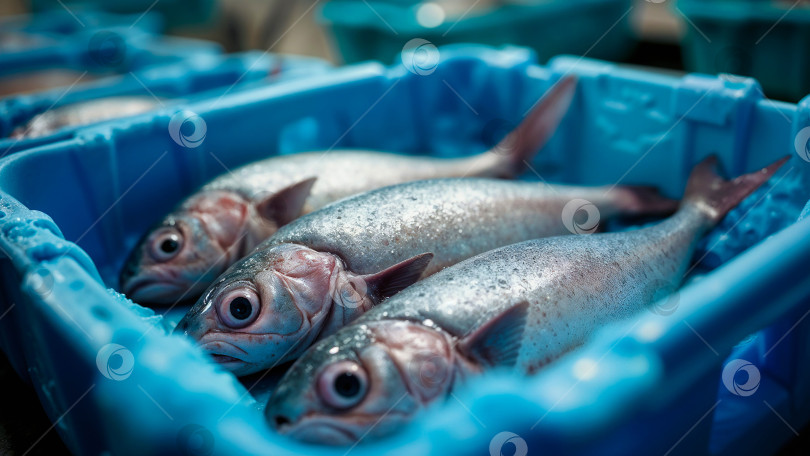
(48, 47)
(766, 39)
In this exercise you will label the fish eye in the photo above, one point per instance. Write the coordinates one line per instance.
(166, 244)
(343, 385)
(238, 306)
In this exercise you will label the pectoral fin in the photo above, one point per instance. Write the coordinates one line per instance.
(497, 343)
(394, 279)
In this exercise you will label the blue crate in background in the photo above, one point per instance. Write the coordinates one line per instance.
(199, 76)
(60, 22)
(103, 51)
(51, 58)
(378, 30)
(656, 384)
(765, 39)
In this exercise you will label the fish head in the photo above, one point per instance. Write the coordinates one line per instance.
(365, 381)
(269, 307)
(180, 256)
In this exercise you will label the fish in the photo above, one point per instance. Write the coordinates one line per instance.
(516, 308)
(326, 268)
(83, 113)
(14, 41)
(227, 218)
(34, 81)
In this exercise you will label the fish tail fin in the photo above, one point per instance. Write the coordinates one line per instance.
(716, 196)
(522, 143)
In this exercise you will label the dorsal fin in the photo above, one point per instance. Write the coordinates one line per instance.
(539, 125)
(285, 205)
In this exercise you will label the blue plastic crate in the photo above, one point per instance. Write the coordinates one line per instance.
(651, 385)
(378, 30)
(60, 22)
(100, 51)
(199, 76)
(765, 39)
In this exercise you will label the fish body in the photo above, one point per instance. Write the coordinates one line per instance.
(453, 219)
(84, 113)
(368, 170)
(180, 256)
(324, 269)
(519, 306)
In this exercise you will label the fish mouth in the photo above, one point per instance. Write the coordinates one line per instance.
(153, 290)
(225, 360)
(320, 432)
(223, 354)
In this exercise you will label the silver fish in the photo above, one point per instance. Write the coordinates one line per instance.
(84, 113)
(230, 216)
(519, 307)
(324, 269)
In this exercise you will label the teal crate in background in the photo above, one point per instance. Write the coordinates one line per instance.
(765, 39)
(379, 30)
(61, 22)
(175, 12)
(658, 383)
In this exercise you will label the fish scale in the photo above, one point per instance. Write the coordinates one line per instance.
(230, 216)
(370, 169)
(520, 306)
(370, 246)
(474, 216)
